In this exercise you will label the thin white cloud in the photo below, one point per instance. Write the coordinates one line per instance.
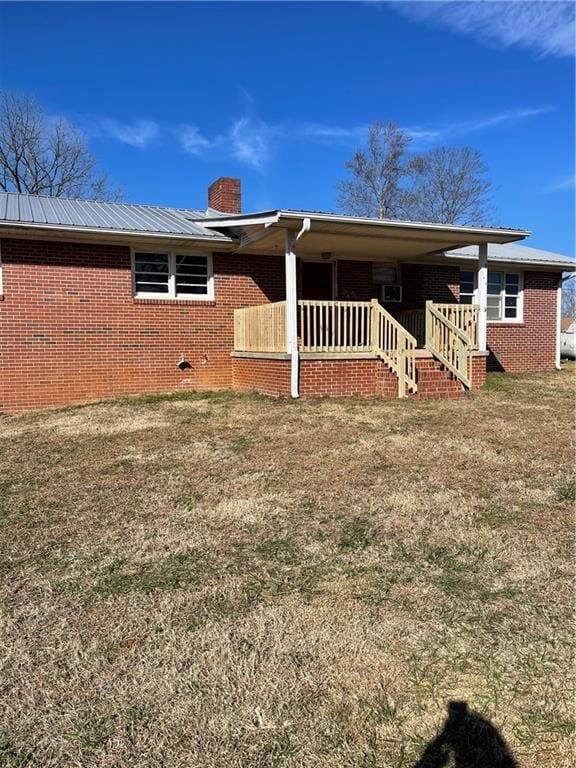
(250, 141)
(568, 183)
(192, 140)
(544, 26)
(464, 127)
(332, 132)
(338, 134)
(140, 133)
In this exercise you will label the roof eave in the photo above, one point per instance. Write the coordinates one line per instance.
(565, 266)
(291, 219)
(98, 233)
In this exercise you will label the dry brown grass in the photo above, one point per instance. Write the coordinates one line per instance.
(221, 580)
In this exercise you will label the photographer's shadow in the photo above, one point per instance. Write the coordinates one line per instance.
(467, 740)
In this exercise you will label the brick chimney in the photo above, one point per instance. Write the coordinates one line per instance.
(225, 195)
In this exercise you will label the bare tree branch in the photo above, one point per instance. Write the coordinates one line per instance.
(569, 298)
(41, 157)
(450, 187)
(447, 185)
(375, 187)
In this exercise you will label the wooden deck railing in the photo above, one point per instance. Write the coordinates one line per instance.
(464, 317)
(364, 326)
(261, 328)
(448, 343)
(334, 326)
(392, 342)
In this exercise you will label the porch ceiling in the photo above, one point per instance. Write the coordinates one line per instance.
(367, 239)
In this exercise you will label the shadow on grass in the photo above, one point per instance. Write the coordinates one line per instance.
(467, 740)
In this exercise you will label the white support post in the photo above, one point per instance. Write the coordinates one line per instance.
(558, 324)
(482, 295)
(292, 312)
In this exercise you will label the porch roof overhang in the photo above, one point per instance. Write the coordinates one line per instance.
(354, 237)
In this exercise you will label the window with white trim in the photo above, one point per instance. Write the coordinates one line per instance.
(504, 299)
(503, 296)
(172, 275)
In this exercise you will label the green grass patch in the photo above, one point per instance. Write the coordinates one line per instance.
(171, 572)
(355, 534)
(567, 492)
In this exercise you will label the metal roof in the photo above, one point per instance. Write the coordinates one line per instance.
(521, 254)
(95, 215)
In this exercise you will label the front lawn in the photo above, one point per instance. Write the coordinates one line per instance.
(215, 580)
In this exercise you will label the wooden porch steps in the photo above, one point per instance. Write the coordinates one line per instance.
(436, 381)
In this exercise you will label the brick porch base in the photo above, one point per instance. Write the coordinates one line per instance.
(361, 376)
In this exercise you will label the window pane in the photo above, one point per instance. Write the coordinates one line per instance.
(151, 272)
(511, 307)
(151, 262)
(512, 284)
(465, 298)
(183, 263)
(191, 275)
(148, 287)
(494, 282)
(195, 289)
(493, 308)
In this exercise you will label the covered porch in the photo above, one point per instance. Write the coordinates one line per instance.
(405, 336)
(355, 330)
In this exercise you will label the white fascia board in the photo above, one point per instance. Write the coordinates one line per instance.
(481, 232)
(264, 217)
(526, 264)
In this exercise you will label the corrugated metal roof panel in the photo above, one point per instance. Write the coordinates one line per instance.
(511, 253)
(90, 214)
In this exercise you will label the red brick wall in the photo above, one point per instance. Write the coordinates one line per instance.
(346, 377)
(354, 280)
(530, 345)
(318, 378)
(264, 375)
(421, 283)
(71, 331)
(478, 371)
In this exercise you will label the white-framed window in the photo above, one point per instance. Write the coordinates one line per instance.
(505, 297)
(163, 274)
(467, 287)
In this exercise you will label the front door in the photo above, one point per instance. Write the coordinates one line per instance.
(317, 280)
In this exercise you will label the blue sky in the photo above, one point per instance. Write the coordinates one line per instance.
(172, 95)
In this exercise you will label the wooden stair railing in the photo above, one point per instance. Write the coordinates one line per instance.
(449, 344)
(395, 346)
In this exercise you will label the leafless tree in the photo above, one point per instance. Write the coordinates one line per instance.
(45, 157)
(378, 173)
(449, 186)
(569, 298)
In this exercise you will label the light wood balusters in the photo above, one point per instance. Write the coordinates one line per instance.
(334, 326)
(449, 344)
(393, 344)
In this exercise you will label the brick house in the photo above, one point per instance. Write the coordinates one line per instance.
(105, 299)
